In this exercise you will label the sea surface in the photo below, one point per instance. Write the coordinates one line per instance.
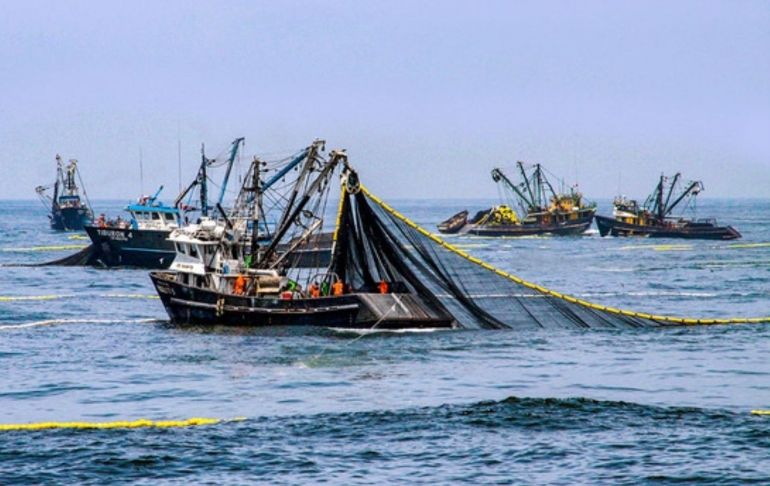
(658, 406)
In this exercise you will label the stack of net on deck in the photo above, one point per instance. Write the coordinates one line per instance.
(376, 243)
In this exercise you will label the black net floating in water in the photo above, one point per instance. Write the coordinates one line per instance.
(375, 243)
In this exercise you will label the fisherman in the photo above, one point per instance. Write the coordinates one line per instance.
(314, 290)
(383, 287)
(239, 287)
(338, 288)
(101, 222)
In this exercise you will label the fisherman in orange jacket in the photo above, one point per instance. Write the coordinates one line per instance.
(240, 285)
(338, 288)
(314, 290)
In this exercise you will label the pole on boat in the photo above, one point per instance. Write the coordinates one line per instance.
(256, 187)
(202, 181)
(233, 153)
(526, 184)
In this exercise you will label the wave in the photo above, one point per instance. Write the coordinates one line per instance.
(43, 248)
(536, 440)
(25, 298)
(57, 322)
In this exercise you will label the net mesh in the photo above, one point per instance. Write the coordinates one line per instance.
(375, 243)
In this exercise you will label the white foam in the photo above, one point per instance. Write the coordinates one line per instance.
(56, 322)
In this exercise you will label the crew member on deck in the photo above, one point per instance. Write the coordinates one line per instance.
(314, 290)
(239, 287)
(383, 287)
(338, 288)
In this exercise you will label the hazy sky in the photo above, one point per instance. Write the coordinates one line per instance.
(426, 97)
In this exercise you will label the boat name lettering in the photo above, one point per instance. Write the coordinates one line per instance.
(115, 234)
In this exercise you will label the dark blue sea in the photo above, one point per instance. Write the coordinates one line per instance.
(657, 406)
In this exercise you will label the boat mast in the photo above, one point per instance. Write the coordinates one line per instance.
(691, 189)
(59, 180)
(666, 209)
(233, 152)
(659, 198)
(526, 183)
(256, 187)
(337, 156)
(497, 176)
(312, 152)
(202, 181)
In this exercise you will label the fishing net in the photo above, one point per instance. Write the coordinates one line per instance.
(375, 243)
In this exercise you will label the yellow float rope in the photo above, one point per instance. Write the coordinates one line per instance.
(120, 424)
(553, 293)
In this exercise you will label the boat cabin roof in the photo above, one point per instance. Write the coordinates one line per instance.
(134, 208)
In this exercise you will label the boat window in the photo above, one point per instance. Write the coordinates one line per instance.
(193, 251)
(169, 217)
(179, 248)
(155, 215)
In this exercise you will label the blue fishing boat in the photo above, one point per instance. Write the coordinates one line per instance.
(139, 241)
(142, 240)
(68, 211)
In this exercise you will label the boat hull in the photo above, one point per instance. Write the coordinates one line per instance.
(132, 247)
(186, 304)
(151, 249)
(612, 227)
(454, 224)
(567, 228)
(70, 219)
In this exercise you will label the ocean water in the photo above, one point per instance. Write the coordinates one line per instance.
(657, 406)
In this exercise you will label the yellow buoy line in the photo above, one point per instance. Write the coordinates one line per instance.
(148, 424)
(119, 424)
(553, 293)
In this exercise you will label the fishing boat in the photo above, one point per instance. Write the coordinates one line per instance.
(223, 275)
(141, 240)
(68, 211)
(654, 217)
(547, 211)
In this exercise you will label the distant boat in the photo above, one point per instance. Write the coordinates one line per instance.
(654, 218)
(547, 211)
(68, 211)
